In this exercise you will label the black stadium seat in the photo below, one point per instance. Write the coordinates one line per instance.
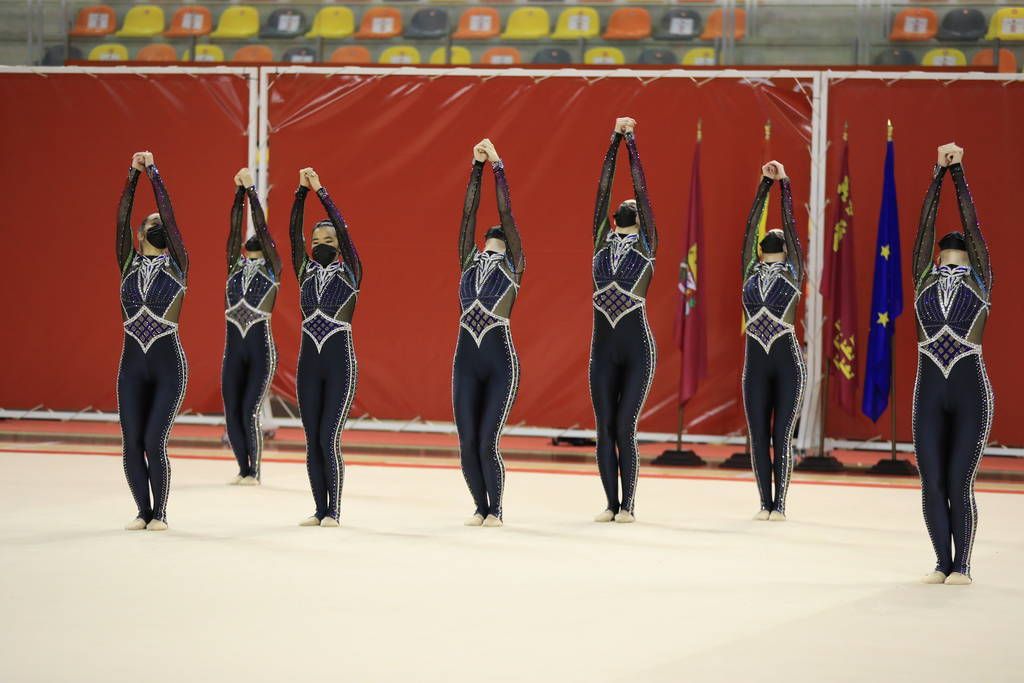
(284, 23)
(55, 55)
(963, 24)
(896, 57)
(658, 55)
(299, 55)
(552, 55)
(428, 24)
(679, 24)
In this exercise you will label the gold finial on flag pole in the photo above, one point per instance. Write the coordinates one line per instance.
(888, 130)
(700, 133)
(846, 131)
(768, 129)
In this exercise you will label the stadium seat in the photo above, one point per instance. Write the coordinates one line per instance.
(237, 22)
(333, 23)
(157, 52)
(896, 57)
(914, 24)
(478, 23)
(460, 55)
(142, 21)
(350, 54)
(604, 55)
(97, 20)
(963, 24)
(299, 55)
(577, 23)
(501, 55)
(658, 55)
(1007, 24)
(527, 23)
(716, 24)
(253, 54)
(1007, 61)
(190, 21)
(108, 52)
(56, 55)
(944, 57)
(380, 23)
(284, 23)
(680, 24)
(400, 54)
(448, 2)
(552, 55)
(428, 24)
(628, 23)
(700, 56)
(205, 53)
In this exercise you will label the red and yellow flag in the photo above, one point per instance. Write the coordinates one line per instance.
(691, 330)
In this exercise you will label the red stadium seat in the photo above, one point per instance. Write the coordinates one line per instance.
(189, 21)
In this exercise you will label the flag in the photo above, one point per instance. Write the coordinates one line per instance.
(839, 289)
(691, 331)
(886, 297)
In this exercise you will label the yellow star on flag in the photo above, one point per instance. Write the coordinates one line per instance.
(885, 251)
(883, 319)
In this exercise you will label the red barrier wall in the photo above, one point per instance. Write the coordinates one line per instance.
(395, 153)
(984, 118)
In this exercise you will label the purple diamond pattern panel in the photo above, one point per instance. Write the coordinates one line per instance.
(946, 350)
(765, 329)
(146, 328)
(244, 316)
(478, 320)
(614, 303)
(319, 328)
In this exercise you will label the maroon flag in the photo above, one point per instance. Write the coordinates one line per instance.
(691, 332)
(839, 289)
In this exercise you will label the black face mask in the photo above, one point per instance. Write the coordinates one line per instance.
(772, 244)
(253, 244)
(157, 236)
(953, 240)
(325, 254)
(625, 215)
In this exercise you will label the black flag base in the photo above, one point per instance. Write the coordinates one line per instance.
(736, 461)
(572, 441)
(674, 458)
(893, 467)
(819, 463)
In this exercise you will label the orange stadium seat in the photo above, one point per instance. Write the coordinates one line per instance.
(478, 23)
(157, 52)
(628, 23)
(1007, 60)
(97, 20)
(253, 54)
(715, 24)
(190, 20)
(501, 55)
(351, 54)
(380, 23)
(914, 24)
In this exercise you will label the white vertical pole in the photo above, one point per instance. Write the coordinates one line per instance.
(262, 148)
(252, 78)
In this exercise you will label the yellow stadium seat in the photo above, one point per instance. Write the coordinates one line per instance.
(400, 54)
(700, 56)
(460, 55)
(1007, 24)
(577, 23)
(205, 53)
(604, 55)
(944, 57)
(333, 22)
(238, 21)
(142, 21)
(108, 52)
(527, 23)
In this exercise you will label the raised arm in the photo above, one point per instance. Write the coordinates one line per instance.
(794, 254)
(234, 249)
(299, 256)
(604, 191)
(645, 215)
(924, 245)
(750, 235)
(125, 240)
(259, 221)
(345, 245)
(175, 245)
(977, 249)
(467, 246)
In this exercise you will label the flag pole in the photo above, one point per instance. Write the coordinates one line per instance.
(892, 465)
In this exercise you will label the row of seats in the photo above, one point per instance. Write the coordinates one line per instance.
(922, 23)
(399, 54)
(946, 57)
(240, 22)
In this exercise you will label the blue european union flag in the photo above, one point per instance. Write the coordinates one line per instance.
(886, 296)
